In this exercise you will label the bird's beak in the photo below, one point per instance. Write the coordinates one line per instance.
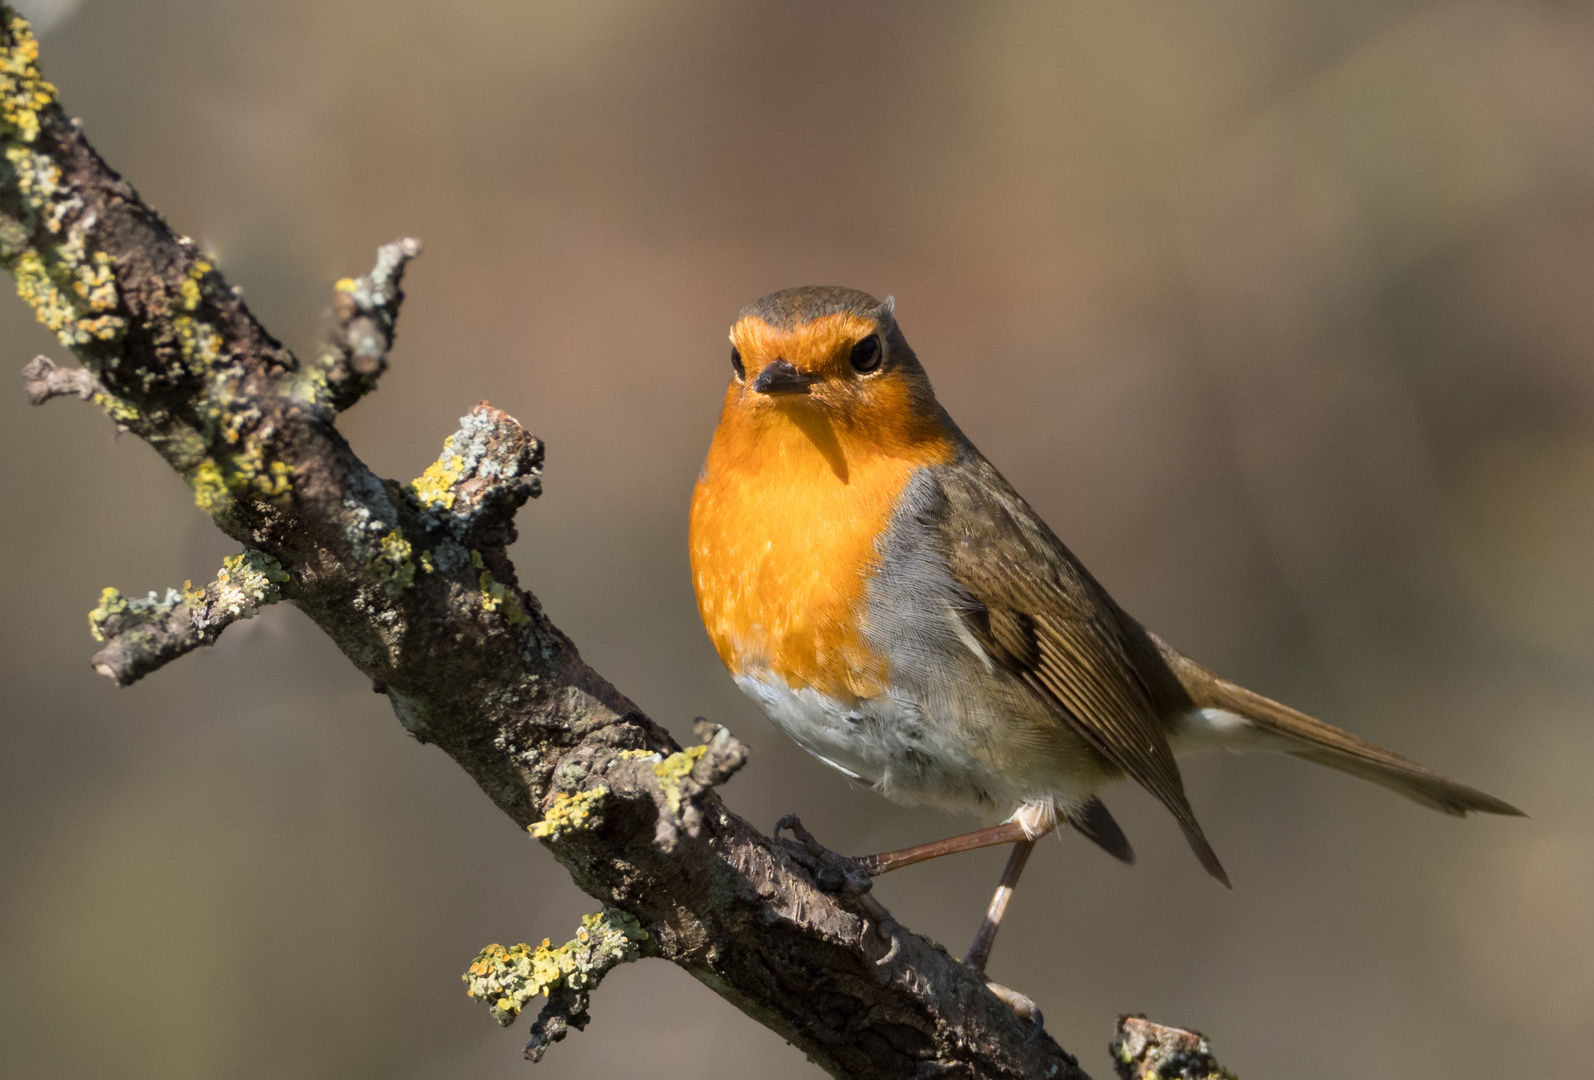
(781, 378)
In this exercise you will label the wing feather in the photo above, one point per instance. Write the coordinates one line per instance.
(1041, 616)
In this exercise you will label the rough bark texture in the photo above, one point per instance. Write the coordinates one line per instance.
(413, 583)
(1147, 1051)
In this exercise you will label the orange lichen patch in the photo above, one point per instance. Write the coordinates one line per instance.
(795, 494)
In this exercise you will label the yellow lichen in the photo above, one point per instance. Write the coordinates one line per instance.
(434, 487)
(49, 290)
(507, 979)
(116, 408)
(210, 488)
(112, 603)
(23, 89)
(393, 564)
(189, 289)
(495, 597)
(675, 768)
(71, 290)
(569, 812)
(216, 481)
(199, 343)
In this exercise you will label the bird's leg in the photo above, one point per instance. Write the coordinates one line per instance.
(1005, 833)
(980, 952)
(1030, 822)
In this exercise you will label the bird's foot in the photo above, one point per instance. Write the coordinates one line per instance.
(834, 872)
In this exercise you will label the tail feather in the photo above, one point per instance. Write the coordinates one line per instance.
(1095, 824)
(1311, 739)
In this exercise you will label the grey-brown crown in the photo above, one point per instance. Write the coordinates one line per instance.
(792, 307)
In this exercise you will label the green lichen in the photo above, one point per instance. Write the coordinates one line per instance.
(675, 768)
(507, 979)
(394, 565)
(570, 813)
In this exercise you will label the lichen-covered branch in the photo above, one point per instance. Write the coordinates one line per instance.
(506, 979)
(414, 584)
(144, 634)
(1143, 1050)
(365, 311)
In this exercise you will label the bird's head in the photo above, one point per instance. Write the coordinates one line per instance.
(827, 352)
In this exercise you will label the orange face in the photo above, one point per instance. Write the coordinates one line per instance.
(808, 463)
(835, 371)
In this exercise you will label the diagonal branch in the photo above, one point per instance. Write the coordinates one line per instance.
(414, 584)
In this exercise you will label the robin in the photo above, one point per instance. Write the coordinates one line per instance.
(902, 613)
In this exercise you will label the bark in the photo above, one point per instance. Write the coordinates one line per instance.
(413, 583)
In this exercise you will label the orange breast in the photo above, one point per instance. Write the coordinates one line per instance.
(784, 526)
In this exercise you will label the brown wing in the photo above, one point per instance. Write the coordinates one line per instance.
(1040, 615)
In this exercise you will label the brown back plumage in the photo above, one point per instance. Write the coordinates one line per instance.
(1038, 613)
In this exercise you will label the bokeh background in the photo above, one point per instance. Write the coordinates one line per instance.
(1278, 310)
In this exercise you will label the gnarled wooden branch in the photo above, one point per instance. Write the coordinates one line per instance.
(1143, 1050)
(414, 585)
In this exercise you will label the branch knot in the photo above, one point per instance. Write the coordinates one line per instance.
(488, 469)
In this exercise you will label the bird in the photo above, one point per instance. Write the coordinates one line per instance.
(890, 601)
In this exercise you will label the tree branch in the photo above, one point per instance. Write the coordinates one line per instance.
(1143, 1050)
(145, 634)
(414, 584)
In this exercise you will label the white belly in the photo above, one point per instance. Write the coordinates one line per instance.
(889, 743)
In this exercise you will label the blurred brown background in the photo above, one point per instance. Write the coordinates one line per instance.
(1278, 310)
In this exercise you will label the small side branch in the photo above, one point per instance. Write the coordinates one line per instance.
(143, 635)
(507, 979)
(1147, 1051)
(365, 311)
(43, 379)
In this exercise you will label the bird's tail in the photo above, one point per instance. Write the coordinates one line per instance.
(1234, 717)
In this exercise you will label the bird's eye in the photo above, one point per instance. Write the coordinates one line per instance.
(866, 355)
(736, 362)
